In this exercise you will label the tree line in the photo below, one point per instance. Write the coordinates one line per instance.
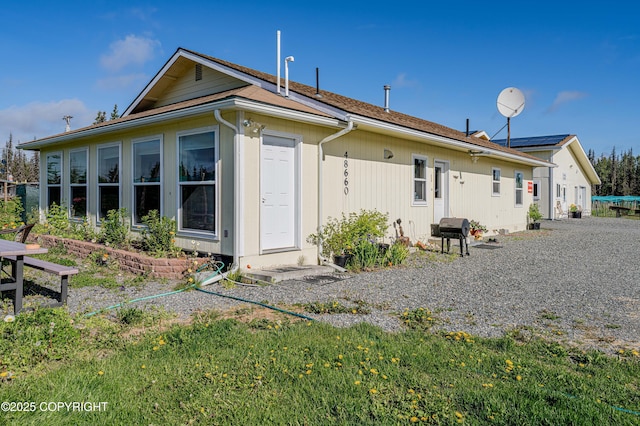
(619, 173)
(18, 165)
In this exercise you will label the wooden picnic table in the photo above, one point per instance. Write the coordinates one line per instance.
(619, 210)
(17, 252)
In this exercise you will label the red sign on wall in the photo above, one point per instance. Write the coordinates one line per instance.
(530, 187)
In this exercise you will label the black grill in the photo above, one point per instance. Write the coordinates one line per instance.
(454, 227)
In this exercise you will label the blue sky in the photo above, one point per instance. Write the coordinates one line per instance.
(578, 63)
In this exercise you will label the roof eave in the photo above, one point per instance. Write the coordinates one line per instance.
(447, 142)
(227, 104)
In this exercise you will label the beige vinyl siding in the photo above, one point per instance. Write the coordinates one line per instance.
(387, 185)
(187, 87)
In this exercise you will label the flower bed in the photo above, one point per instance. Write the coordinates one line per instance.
(137, 263)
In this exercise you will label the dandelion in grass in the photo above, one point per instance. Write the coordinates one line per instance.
(357, 382)
(373, 391)
(100, 373)
(155, 348)
(414, 419)
(518, 378)
(143, 366)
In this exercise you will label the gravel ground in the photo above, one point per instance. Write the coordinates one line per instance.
(576, 280)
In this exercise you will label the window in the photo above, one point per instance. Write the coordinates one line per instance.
(519, 180)
(78, 183)
(495, 181)
(197, 159)
(147, 178)
(420, 180)
(108, 179)
(536, 190)
(54, 178)
(558, 193)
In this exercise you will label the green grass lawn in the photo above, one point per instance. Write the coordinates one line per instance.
(281, 370)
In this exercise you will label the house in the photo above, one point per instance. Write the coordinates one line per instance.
(556, 188)
(250, 165)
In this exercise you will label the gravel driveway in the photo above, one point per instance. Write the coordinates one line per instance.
(576, 280)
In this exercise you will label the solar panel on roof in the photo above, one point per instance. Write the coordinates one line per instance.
(532, 141)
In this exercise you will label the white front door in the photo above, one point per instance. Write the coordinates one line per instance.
(278, 193)
(440, 190)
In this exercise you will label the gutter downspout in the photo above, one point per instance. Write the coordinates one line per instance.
(552, 192)
(323, 260)
(237, 202)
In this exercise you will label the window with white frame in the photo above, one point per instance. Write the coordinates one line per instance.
(536, 190)
(54, 178)
(558, 192)
(419, 180)
(197, 160)
(147, 178)
(108, 179)
(519, 185)
(495, 181)
(78, 183)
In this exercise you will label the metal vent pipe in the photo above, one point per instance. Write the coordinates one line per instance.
(387, 89)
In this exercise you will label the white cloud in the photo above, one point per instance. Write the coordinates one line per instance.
(41, 119)
(133, 50)
(565, 97)
(401, 81)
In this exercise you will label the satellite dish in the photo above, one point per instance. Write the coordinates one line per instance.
(510, 102)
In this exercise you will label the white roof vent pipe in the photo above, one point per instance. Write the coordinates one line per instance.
(286, 74)
(387, 89)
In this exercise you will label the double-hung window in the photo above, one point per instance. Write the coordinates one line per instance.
(108, 179)
(54, 178)
(519, 181)
(495, 182)
(419, 180)
(197, 159)
(147, 178)
(78, 183)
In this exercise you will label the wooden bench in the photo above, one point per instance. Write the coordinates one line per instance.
(53, 268)
(619, 210)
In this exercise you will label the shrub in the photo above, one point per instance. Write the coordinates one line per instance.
(57, 220)
(342, 235)
(115, 230)
(160, 235)
(534, 213)
(10, 213)
(396, 254)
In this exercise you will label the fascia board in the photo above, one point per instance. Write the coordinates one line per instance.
(444, 141)
(228, 104)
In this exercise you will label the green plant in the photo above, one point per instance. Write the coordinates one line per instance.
(57, 220)
(130, 316)
(475, 226)
(10, 213)
(396, 254)
(115, 230)
(573, 208)
(159, 237)
(365, 254)
(84, 230)
(341, 235)
(534, 213)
